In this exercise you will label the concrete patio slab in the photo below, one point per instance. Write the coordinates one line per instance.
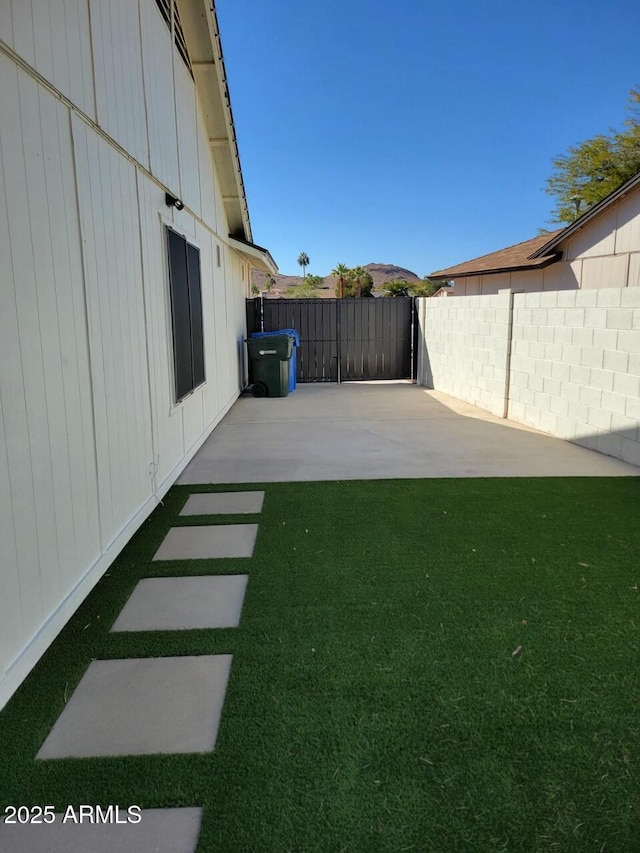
(178, 604)
(224, 503)
(377, 431)
(159, 831)
(213, 542)
(142, 706)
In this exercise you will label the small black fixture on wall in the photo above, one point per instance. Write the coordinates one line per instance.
(172, 201)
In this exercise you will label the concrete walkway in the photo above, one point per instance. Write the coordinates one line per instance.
(381, 430)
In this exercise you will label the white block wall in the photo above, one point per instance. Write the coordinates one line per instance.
(575, 367)
(463, 348)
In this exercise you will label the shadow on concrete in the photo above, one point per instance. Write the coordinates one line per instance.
(381, 430)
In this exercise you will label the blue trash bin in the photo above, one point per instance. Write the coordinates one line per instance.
(293, 361)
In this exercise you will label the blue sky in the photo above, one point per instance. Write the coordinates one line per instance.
(411, 132)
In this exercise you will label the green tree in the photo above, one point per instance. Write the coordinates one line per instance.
(255, 290)
(269, 282)
(308, 289)
(341, 272)
(592, 169)
(358, 283)
(397, 287)
(427, 287)
(303, 260)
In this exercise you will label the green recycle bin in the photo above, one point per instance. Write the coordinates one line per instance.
(270, 361)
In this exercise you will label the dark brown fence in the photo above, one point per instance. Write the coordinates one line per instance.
(342, 339)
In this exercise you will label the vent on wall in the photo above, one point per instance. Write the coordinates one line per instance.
(165, 10)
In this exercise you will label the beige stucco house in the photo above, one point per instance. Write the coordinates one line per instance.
(600, 249)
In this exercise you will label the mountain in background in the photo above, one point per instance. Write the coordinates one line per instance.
(380, 273)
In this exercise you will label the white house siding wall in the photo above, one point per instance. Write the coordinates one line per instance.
(49, 526)
(157, 56)
(90, 436)
(54, 38)
(575, 367)
(188, 154)
(463, 348)
(117, 62)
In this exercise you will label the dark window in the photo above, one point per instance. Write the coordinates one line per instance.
(186, 314)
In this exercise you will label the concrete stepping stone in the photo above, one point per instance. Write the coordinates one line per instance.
(142, 706)
(208, 542)
(177, 604)
(159, 831)
(224, 503)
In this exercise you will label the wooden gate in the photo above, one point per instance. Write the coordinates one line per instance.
(343, 339)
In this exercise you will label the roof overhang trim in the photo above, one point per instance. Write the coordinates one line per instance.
(257, 256)
(202, 35)
(451, 275)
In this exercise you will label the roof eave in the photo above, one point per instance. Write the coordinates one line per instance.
(258, 257)
(450, 275)
(588, 215)
(202, 35)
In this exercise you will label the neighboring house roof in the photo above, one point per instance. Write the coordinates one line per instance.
(517, 257)
(538, 252)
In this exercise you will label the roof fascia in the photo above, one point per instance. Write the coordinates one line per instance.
(202, 35)
(588, 215)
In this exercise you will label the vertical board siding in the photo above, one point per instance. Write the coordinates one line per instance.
(186, 120)
(236, 337)
(224, 333)
(628, 225)
(120, 101)
(79, 56)
(6, 23)
(89, 428)
(23, 30)
(11, 624)
(157, 60)
(113, 279)
(210, 323)
(168, 432)
(206, 172)
(54, 38)
(192, 418)
(46, 448)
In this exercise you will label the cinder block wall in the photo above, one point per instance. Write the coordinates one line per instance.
(463, 348)
(574, 368)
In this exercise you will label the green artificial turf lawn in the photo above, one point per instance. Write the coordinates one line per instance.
(375, 701)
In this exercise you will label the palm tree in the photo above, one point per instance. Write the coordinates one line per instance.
(359, 276)
(303, 260)
(341, 272)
